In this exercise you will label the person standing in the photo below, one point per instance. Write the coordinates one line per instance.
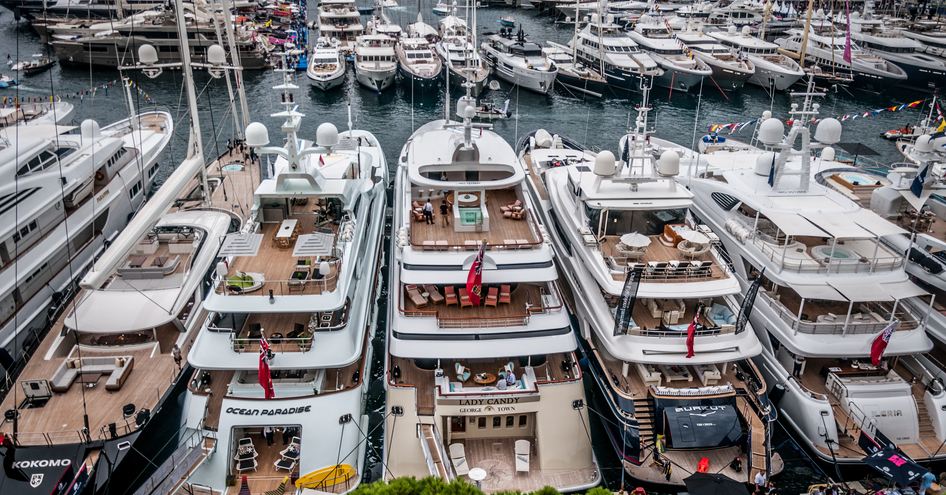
(759, 481)
(444, 218)
(268, 434)
(428, 213)
(176, 354)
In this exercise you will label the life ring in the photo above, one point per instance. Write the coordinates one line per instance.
(99, 176)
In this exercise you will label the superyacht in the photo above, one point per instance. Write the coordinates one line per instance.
(844, 345)
(519, 61)
(375, 61)
(604, 45)
(772, 69)
(681, 71)
(730, 69)
(922, 69)
(296, 287)
(457, 48)
(327, 66)
(66, 196)
(418, 62)
(338, 20)
(626, 225)
(825, 49)
(482, 378)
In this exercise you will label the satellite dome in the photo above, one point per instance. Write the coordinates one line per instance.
(147, 55)
(763, 163)
(216, 55)
(89, 129)
(828, 131)
(731, 29)
(767, 114)
(771, 131)
(828, 154)
(605, 164)
(923, 144)
(256, 135)
(668, 165)
(326, 135)
(746, 31)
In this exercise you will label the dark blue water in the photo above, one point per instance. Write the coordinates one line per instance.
(394, 115)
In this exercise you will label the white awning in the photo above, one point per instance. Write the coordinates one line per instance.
(904, 289)
(839, 226)
(794, 224)
(240, 244)
(318, 244)
(823, 292)
(863, 291)
(878, 225)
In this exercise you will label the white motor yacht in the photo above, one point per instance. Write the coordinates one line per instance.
(375, 61)
(772, 69)
(339, 20)
(874, 37)
(418, 63)
(730, 68)
(479, 376)
(300, 279)
(681, 71)
(606, 47)
(648, 275)
(826, 50)
(457, 47)
(519, 61)
(831, 288)
(29, 113)
(327, 66)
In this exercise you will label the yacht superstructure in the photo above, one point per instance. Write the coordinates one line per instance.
(604, 45)
(680, 70)
(297, 283)
(730, 68)
(772, 69)
(830, 288)
(339, 20)
(825, 48)
(650, 280)
(460, 55)
(418, 63)
(375, 61)
(519, 61)
(327, 66)
(481, 370)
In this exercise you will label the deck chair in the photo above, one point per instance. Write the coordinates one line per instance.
(247, 465)
(435, 296)
(463, 374)
(416, 297)
(291, 452)
(284, 463)
(464, 298)
(256, 331)
(451, 295)
(281, 489)
(492, 296)
(505, 294)
(523, 452)
(297, 330)
(458, 458)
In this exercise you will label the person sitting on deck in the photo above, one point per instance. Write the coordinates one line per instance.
(510, 378)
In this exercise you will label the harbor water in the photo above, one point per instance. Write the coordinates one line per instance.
(393, 115)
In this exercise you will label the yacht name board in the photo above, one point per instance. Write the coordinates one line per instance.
(268, 412)
(489, 405)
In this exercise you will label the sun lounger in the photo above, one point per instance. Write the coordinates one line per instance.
(416, 297)
(492, 296)
(434, 295)
(458, 458)
(465, 298)
(283, 463)
(451, 295)
(246, 465)
(523, 452)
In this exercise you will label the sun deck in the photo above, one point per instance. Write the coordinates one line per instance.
(522, 301)
(658, 259)
(497, 457)
(472, 220)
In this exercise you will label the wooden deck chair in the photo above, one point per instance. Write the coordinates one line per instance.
(450, 295)
(435, 296)
(458, 458)
(463, 374)
(464, 298)
(281, 489)
(415, 296)
(492, 296)
(523, 452)
(505, 294)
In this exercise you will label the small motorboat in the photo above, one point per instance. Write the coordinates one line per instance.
(389, 4)
(906, 132)
(489, 111)
(37, 64)
(7, 81)
(442, 9)
(507, 21)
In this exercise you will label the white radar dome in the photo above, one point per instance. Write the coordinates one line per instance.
(828, 154)
(763, 163)
(668, 165)
(828, 131)
(147, 55)
(605, 164)
(771, 131)
(216, 55)
(256, 135)
(923, 144)
(326, 135)
(89, 129)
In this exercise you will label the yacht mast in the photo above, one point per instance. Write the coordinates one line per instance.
(804, 37)
(237, 65)
(195, 141)
(231, 99)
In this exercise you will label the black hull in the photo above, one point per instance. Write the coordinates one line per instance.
(410, 79)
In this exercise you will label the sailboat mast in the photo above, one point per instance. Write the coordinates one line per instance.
(237, 65)
(804, 36)
(195, 144)
(575, 36)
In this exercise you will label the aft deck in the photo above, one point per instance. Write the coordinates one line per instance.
(658, 260)
(524, 300)
(512, 232)
(265, 477)
(497, 457)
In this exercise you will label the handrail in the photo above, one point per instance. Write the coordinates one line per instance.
(530, 222)
(517, 319)
(907, 321)
(242, 344)
(774, 254)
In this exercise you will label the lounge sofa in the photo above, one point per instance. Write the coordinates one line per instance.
(117, 368)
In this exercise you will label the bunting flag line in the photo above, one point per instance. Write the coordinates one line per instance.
(78, 95)
(734, 127)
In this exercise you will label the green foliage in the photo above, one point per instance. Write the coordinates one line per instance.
(436, 486)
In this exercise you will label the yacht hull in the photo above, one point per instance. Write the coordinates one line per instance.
(678, 80)
(537, 81)
(768, 75)
(326, 83)
(106, 52)
(417, 81)
(376, 80)
(726, 76)
(458, 79)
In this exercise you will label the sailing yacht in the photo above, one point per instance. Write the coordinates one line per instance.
(339, 20)
(830, 289)
(482, 378)
(772, 69)
(604, 45)
(682, 71)
(457, 48)
(66, 196)
(326, 66)
(519, 61)
(624, 223)
(375, 61)
(730, 69)
(300, 280)
(825, 48)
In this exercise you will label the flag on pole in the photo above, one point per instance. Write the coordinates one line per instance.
(264, 376)
(772, 172)
(691, 331)
(474, 279)
(847, 32)
(747, 301)
(919, 182)
(879, 345)
(622, 317)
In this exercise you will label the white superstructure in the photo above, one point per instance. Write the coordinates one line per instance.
(327, 66)
(772, 69)
(339, 20)
(519, 61)
(681, 70)
(375, 61)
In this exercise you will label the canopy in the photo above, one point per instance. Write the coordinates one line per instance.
(794, 225)
(873, 222)
(714, 484)
(240, 244)
(823, 292)
(838, 226)
(895, 465)
(863, 291)
(904, 289)
(699, 426)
